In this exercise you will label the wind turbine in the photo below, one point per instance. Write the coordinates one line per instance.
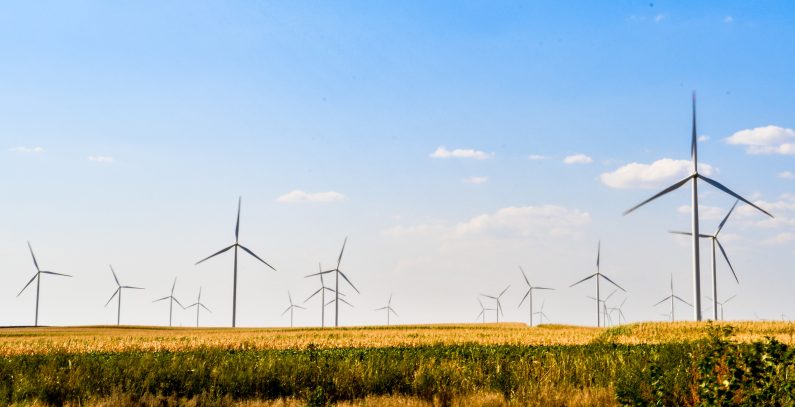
(291, 308)
(119, 287)
(337, 273)
(198, 304)
(603, 302)
(322, 291)
(236, 245)
(483, 310)
(672, 297)
(388, 309)
(530, 289)
(720, 304)
(716, 242)
(695, 176)
(37, 277)
(541, 314)
(598, 274)
(497, 310)
(171, 301)
(619, 309)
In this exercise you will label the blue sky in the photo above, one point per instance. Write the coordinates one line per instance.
(129, 130)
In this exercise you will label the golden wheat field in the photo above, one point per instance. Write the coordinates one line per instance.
(19, 341)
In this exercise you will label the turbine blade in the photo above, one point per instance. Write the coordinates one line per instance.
(662, 300)
(213, 255)
(339, 259)
(207, 309)
(720, 246)
(523, 298)
(255, 256)
(659, 194)
(678, 232)
(598, 253)
(680, 299)
(195, 304)
(178, 303)
(525, 276)
(114, 275)
(723, 222)
(237, 225)
(26, 285)
(349, 282)
(503, 291)
(390, 299)
(380, 309)
(694, 140)
(313, 294)
(112, 296)
(319, 274)
(173, 286)
(729, 299)
(131, 287)
(393, 311)
(481, 313)
(161, 299)
(35, 263)
(489, 296)
(720, 186)
(584, 279)
(613, 282)
(55, 274)
(542, 288)
(285, 311)
(346, 302)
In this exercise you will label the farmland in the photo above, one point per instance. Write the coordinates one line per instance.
(492, 364)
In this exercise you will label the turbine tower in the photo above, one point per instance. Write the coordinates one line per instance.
(236, 245)
(497, 310)
(598, 275)
(322, 291)
(171, 301)
(530, 289)
(482, 315)
(695, 176)
(337, 273)
(37, 277)
(672, 297)
(716, 242)
(388, 309)
(198, 304)
(541, 314)
(291, 308)
(119, 288)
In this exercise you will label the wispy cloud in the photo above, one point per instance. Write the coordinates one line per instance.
(765, 140)
(298, 196)
(28, 150)
(536, 157)
(786, 175)
(577, 159)
(659, 18)
(703, 138)
(780, 239)
(476, 180)
(656, 174)
(100, 159)
(442, 152)
(728, 19)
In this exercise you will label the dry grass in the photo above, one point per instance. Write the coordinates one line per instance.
(18, 341)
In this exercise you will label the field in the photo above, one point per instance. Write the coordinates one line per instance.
(473, 364)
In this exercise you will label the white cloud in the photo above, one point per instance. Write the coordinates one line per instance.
(783, 210)
(536, 157)
(765, 140)
(577, 159)
(786, 175)
(101, 159)
(442, 152)
(301, 196)
(28, 150)
(659, 17)
(703, 138)
(414, 231)
(476, 180)
(525, 221)
(728, 19)
(781, 238)
(659, 173)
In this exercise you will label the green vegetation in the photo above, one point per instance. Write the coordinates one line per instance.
(708, 371)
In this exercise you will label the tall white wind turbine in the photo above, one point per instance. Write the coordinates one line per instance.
(198, 304)
(695, 176)
(337, 273)
(37, 277)
(598, 275)
(171, 300)
(388, 308)
(498, 309)
(119, 289)
(673, 297)
(529, 293)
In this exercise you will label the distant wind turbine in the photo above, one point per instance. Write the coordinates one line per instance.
(496, 298)
(482, 315)
(721, 304)
(322, 291)
(337, 273)
(291, 308)
(541, 314)
(37, 277)
(716, 242)
(597, 275)
(236, 245)
(619, 310)
(530, 289)
(171, 301)
(695, 176)
(672, 297)
(603, 302)
(119, 288)
(198, 304)
(388, 309)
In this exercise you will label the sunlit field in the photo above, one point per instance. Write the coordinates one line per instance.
(469, 364)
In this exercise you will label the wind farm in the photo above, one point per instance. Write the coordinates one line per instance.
(446, 147)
